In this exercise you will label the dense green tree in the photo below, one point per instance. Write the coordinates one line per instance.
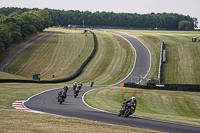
(15, 13)
(195, 22)
(16, 23)
(2, 17)
(185, 25)
(5, 37)
(46, 16)
(14, 28)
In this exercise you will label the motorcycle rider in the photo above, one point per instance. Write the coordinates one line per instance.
(63, 91)
(131, 101)
(74, 85)
(80, 85)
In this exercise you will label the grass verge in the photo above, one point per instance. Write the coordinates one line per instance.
(53, 55)
(20, 121)
(183, 56)
(178, 107)
(112, 63)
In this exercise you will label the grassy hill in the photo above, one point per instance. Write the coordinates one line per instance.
(172, 106)
(183, 56)
(56, 54)
(113, 61)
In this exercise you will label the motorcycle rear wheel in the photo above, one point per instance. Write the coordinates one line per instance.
(61, 100)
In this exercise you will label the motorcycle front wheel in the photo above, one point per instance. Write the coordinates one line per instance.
(127, 112)
(119, 114)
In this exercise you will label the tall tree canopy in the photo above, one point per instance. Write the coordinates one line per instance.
(16, 24)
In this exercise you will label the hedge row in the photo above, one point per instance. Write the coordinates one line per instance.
(172, 87)
(73, 76)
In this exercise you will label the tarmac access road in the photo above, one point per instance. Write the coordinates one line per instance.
(11, 56)
(76, 107)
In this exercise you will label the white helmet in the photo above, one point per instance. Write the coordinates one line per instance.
(133, 98)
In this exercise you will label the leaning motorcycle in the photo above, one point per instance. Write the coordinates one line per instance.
(127, 109)
(76, 91)
(61, 97)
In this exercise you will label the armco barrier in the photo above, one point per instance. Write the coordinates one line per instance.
(172, 87)
(71, 77)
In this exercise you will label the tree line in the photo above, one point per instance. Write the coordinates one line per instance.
(18, 23)
(169, 21)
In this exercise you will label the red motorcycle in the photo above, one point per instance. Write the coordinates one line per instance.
(76, 92)
(61, 97)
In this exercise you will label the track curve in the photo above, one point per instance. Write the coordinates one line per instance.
(75, 107)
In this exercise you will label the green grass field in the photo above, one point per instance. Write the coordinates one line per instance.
(112, 62)
(115, 51)
(56, 54)
(26, 122)
(183, 55)
(172, 106)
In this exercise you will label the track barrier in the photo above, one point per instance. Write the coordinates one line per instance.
(172, 87)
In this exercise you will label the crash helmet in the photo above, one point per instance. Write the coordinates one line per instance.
(133, 98)
(66, 87)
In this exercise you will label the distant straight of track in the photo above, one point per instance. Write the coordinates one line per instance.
(142, 59)
(76, 107)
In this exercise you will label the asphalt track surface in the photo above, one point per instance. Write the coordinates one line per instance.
(76, 107)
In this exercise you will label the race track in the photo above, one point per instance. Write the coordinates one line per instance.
(75, 107)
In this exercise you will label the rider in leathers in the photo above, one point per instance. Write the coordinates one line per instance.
(63, 91)
(131, 101)
(74, 85)
(80, 85)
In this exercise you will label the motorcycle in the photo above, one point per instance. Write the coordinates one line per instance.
(79, 87)
(76, 91)
(61, 98)
(127, 109)
(74, 87)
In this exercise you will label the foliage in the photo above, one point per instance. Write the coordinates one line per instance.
(165, 20)
(17, 24)
(168, 21)
(184, 25)
(14, 29)
(5, 37)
